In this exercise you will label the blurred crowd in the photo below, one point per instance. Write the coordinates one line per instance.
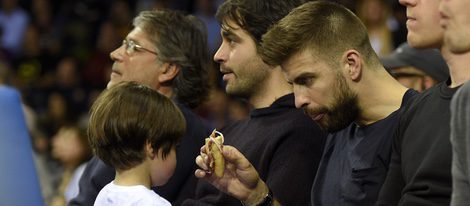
(56, 53)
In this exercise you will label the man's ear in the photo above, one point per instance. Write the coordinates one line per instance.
(352, 60)
(168, 73)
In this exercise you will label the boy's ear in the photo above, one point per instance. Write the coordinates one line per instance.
(149, 150)
(168, 73)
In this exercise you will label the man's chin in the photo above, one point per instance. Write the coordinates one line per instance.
(333, 127)
(237, 92)
(330, 129)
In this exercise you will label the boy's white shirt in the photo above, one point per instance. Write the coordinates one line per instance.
(113, 194)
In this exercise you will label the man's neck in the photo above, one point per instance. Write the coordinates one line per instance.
(166, 90)
(274, 87)
(459, 66)
(378, 97)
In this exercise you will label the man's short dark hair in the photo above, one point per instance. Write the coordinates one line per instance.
(255, 16)
(324, 28)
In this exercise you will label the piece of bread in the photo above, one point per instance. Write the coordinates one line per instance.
(214, 146)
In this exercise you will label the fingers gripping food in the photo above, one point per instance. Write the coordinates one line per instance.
(214, 149)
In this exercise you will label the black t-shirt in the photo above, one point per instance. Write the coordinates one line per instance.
(355, 162)
(420, 169)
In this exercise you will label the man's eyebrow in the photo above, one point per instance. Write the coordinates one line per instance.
(132, 40)
(228, 30)
(304, 75)
(228, 33)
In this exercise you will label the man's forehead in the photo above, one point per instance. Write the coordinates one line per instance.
(299, 63)
(231, 26)
(298, 59)
(290, 68)
(138, 35)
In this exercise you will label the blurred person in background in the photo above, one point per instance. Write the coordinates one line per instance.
(5, 73)
(375, 14)
(419, 69)
(398, 23)
(13, 23)
(119, 16)
(71, 148)
(205, 10)
(98, 67)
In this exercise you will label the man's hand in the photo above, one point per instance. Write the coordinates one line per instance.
(240, 179)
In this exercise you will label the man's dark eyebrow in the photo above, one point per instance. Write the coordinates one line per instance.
(228, 33)
(303, 76)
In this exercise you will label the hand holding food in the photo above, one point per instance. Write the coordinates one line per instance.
(239, 178)
(214, 146)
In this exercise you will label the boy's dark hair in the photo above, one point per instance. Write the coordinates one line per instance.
(255, 16)
(126, 117)
(181, 40)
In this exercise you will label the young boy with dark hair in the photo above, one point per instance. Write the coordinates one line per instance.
(135, 129)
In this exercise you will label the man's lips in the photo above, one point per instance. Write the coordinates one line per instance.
(226, 73)
(224, 70)
(227, 76)
(116, 72)
(410, 18)
(411, 21)
(317, 117)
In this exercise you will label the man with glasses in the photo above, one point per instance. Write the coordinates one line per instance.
(131, 47)
(168, 52)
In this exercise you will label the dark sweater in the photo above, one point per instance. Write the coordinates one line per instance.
(419, 172)
(180, 186)
(355, 162)
(285, 147)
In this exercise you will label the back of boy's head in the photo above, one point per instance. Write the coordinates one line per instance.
(126, 117)
(255, 16)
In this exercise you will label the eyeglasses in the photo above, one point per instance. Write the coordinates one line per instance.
(131, 47)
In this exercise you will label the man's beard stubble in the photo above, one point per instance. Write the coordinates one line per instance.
(344, 111)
